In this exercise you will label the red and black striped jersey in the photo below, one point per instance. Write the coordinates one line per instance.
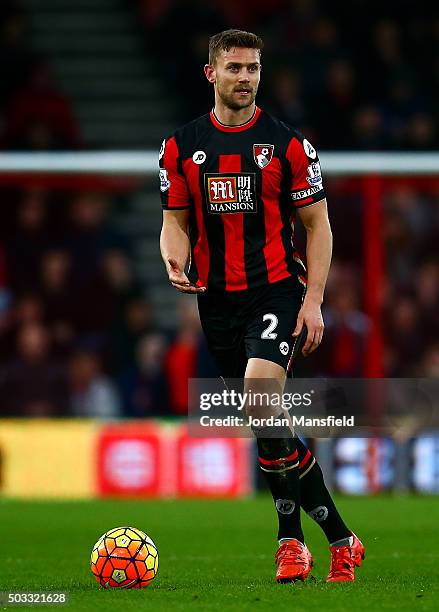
(242, 185)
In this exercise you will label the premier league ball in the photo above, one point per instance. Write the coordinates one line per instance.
(124, 558)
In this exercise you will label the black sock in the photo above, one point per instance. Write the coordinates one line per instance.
(315, 497)
(278, 459)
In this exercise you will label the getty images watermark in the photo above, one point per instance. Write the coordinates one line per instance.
(244, 402)
(314, 407)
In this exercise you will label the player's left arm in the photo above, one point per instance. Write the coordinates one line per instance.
(318, 255)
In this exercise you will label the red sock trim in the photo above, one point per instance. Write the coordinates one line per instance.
(280, 461)
(305, 459)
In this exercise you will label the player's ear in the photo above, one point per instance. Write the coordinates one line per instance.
(209, 71)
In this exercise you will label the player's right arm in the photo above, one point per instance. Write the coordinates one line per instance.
(174, 237)
(175, 249)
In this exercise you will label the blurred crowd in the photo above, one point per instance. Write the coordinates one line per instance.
(349, 74)
(411, 300)
(410, 293)
(34, 113)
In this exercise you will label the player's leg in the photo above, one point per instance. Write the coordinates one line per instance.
(278, 455)
(317, 502)
(278, 459)
(271, 320)
(316, 499)
(347, 551)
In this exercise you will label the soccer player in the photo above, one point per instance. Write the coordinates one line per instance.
(231, 183)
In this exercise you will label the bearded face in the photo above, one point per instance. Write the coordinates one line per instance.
(236, 77)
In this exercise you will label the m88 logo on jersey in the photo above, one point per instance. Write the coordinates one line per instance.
(231, 193)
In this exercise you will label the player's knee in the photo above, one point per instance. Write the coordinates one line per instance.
(263, 398)
(258, 409)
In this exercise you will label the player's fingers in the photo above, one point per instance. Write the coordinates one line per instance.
(309, 341)
(314, 345)
(182, 289)
(193, 289)
(188, 288)
(299, 325)
(185, 284)
(179, 280)
(318, 333)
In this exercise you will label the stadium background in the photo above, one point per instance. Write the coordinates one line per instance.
(95, 347)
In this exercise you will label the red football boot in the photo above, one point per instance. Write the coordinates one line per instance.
(343, 561)
(294, 561)
(358, 551)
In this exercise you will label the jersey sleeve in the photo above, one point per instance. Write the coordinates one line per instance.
(306, 184)
(173, 188)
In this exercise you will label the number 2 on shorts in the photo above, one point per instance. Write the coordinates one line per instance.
(268, 333)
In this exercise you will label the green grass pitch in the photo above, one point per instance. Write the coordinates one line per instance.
(218, 555)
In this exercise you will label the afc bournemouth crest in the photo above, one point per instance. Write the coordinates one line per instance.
(263, 154)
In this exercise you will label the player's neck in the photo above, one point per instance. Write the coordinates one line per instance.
(229, 116)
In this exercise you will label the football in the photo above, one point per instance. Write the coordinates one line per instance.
(124, 558)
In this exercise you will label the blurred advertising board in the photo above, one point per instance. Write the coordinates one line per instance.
(213, 466)
(373, 465)
(364, 465)
(79, 459)
(47, 458)
(426, 463)
(129, 460)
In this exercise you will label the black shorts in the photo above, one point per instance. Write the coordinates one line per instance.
(257, 322)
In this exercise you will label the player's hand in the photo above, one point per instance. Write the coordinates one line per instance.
(179, 280)
(310, 315)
